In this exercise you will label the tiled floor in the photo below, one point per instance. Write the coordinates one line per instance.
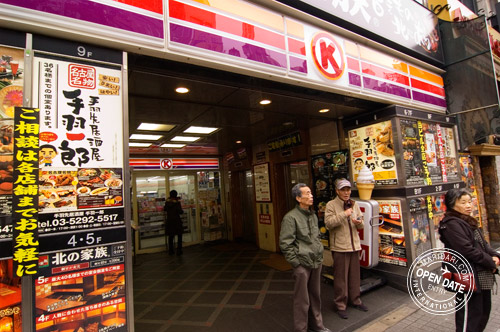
(211, 290)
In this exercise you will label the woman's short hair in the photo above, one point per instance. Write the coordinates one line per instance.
(296, 192)
(453, 195)
(173, 193)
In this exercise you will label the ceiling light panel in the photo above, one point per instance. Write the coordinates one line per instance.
(171, 145)
(139, 145)
(155, 126)
(185, 138)
(145, 137)
(200, 130)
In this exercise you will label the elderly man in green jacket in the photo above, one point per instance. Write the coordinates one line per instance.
(300, 244)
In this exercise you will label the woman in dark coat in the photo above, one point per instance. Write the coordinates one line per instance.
(460, 232)
(173, 224)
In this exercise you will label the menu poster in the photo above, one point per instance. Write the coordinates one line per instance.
(392, 243)
(65, 189)
(10, 296)
(421, 239)
(429, 150)
(436, 210)
(79, 104)
(450, 154)
(412, 157)
(82, 290)
(262, 185)
(373, 146)
(326, 168)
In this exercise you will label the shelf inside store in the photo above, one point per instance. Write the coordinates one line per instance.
(151, 226)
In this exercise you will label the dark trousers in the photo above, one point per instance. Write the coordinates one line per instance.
(171, 243)
(474, 316)
(346, 279)
(307, 299)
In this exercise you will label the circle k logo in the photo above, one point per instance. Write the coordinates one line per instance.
(328, 55)
(166, 163)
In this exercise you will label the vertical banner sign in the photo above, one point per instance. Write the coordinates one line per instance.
(25, 191)
(81, 278)
(425, 168)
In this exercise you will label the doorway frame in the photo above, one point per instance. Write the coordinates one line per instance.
(135, 215)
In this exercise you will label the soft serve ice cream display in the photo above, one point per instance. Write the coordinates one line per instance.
(365, 183)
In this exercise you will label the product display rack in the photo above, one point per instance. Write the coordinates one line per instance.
(151, 219)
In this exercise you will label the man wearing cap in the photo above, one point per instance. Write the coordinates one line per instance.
(302, 248)
(343, 218)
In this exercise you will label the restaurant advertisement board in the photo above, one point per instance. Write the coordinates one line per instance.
(81, 270)
(429, 153)
(373, 146)
(82, 289)
(326, 169)
(419, 217)
(392, 242)
(10, 296)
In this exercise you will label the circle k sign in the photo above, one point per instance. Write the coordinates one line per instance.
(166, 163)
(328, 55)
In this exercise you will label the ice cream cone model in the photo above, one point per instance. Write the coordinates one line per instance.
(365, 190)
(365, 183)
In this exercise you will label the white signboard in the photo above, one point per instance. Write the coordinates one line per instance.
(80, 114)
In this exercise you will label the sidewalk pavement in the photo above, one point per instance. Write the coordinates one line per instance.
(410, 318)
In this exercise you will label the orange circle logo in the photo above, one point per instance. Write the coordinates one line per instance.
(328, 56)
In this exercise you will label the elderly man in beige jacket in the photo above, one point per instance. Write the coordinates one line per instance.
(343, 218)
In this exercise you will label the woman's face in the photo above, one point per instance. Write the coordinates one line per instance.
(464, 205)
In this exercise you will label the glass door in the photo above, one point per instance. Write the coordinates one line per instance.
(149, 199)
(185, 185)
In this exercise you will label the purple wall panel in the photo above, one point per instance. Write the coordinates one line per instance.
(96, 13)
(213, 42)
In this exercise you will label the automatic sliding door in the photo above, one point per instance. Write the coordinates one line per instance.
(150, 193)
(185, 185)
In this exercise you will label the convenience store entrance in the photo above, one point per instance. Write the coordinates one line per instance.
(194, 113)
(198, 193)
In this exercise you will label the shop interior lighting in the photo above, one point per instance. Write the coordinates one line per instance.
(145, 137)
(200, 130)
(155, 126)
(185, 138)
(238, 142)
(182, 89)
(324, 110)
(289, 123)
(171, 145)
(139, 145)
(265, 102)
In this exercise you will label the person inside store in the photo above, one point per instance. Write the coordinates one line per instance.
(299, 229)
(173, 224)
(459, 231)
(343, 218)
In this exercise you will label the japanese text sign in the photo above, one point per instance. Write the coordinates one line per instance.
(25, 191)
(79, 107)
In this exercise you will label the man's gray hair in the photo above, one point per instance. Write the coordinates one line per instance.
(296, 192)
